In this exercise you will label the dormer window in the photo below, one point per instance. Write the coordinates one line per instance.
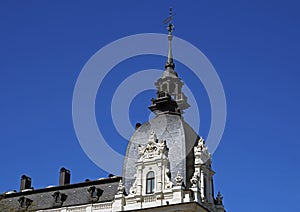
(24, 202)
(150, 179)
(59, 198)
(95, 193)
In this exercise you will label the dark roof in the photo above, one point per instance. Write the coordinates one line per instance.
(66, 195)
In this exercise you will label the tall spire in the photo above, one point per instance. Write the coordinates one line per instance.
(170, 28)
(170, 97)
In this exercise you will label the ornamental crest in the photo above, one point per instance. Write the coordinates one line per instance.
(153, 148)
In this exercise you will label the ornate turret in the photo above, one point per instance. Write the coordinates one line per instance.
(172, 165)
(169, 82)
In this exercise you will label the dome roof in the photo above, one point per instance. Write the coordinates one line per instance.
(180, 139)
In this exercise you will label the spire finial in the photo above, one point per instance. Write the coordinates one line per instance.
(170, 18)
(170, 37)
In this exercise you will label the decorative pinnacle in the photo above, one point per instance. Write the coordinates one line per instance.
(219, 199)
(170, 28)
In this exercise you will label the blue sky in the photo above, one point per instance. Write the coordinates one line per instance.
(253, 45)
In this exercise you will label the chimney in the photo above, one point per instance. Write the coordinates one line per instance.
(64, 177)
(25, 183)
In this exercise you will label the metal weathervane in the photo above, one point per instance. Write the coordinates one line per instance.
(170, 18)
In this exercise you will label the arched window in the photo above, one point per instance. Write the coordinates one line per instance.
(150, 183)
(164, 87)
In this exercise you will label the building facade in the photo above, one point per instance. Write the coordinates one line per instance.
(167, 167)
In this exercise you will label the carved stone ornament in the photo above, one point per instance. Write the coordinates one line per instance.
(219, 199)
(179, 179)
(121, 188)
(153, 148)
(168, 183)
(195, 179)
(133, 188)
(201, 152)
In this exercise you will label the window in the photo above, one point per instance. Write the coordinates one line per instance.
(95, 193)
(59, 198)
(150, 183)
(25, 202)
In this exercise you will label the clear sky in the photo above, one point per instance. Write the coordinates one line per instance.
(253, 45)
